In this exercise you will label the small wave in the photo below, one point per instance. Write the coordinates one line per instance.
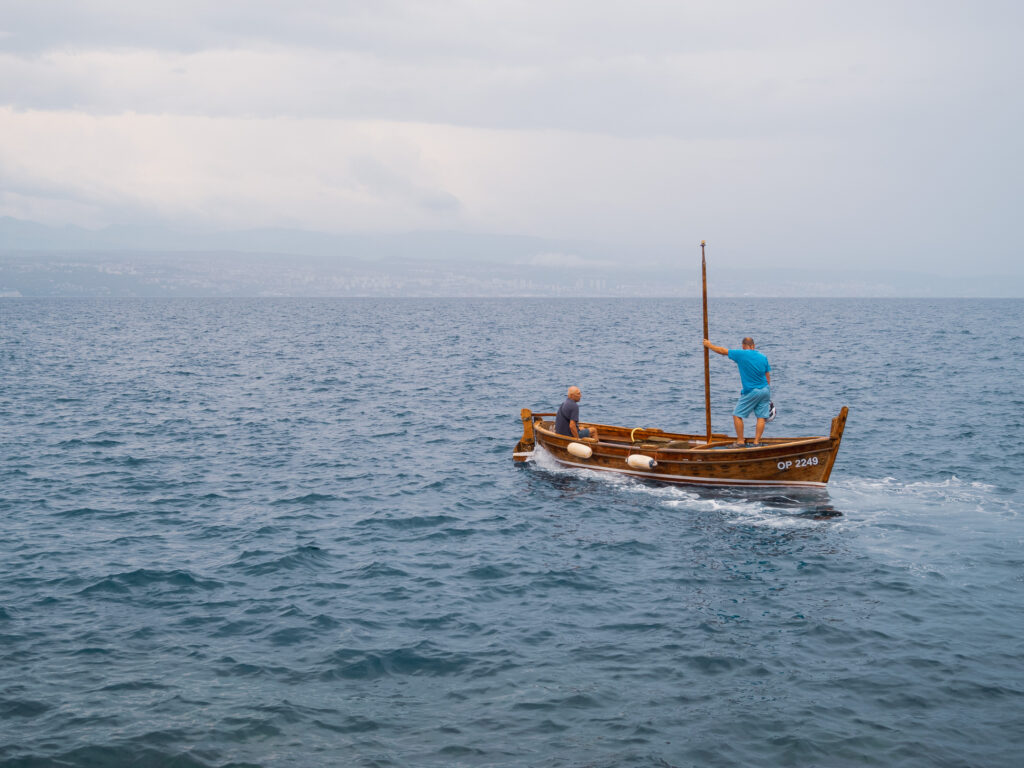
(350, 724)
(713, 665)
(379, 571)
(291, 636)
(447, 621)
(423, 659)
(573, 701)
(634, 627)
(628, 547)
(488, 572)
(267, 530)
(229, 667)
(26, 708)
(161, 738)
(122, 756)
(308, 557)
(85, 512)
(447, 533)
(240, 628)
(410, 522)
(572, 578)
(135, 685)
(122, 583)
(93, 651)
(76, 442)
(309, 498)
(130, 461)
(459, 751)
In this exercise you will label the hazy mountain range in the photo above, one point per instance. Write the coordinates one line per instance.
(36, 260)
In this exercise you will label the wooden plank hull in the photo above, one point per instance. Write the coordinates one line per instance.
(688, 459)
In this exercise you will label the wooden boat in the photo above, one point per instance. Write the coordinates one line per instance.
(691, 459)
(709, 459)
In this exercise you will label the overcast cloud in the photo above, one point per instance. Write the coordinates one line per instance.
(798, 133)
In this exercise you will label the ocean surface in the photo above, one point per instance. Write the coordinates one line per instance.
(291, 533)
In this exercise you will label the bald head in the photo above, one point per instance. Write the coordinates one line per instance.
(574, 393)
(748, 343)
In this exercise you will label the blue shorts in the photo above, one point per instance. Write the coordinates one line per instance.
(583, 432)
(756, 400)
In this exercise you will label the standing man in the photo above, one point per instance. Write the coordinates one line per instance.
(568, 416)
(756, 395)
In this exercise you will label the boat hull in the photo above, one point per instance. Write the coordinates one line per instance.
(690, 459)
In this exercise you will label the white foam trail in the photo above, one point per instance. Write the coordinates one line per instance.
(873, 500)
(892, 485)
(740, 510)
(861, 496)
(952, 490)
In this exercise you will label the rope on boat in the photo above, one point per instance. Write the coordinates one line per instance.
(632, 434)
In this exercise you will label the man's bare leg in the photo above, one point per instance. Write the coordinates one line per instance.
(759, 431)
(738, 423)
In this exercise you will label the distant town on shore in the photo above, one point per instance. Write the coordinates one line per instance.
(39, 261)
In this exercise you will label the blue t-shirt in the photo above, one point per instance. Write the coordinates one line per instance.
(753, 366)
(567, 411)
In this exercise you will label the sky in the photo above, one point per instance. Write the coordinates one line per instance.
(792, 134)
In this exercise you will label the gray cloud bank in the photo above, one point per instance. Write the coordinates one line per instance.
(799, 134)
(699, 70)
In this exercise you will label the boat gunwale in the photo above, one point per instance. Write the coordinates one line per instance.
(698, 451)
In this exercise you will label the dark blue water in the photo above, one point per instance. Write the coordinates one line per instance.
(290, 533)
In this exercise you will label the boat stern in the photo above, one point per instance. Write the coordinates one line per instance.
(524, 448)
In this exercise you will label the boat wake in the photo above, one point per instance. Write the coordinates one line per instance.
(877, 497)
(950, 489)
(770, 507)
(865, 499)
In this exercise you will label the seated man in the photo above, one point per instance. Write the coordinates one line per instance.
(567, 418)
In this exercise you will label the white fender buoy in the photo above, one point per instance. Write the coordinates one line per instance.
(580, 450)
(639, 461)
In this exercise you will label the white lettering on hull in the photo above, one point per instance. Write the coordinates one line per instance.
(811, 462)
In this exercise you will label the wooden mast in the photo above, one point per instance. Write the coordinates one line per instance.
(707, 353)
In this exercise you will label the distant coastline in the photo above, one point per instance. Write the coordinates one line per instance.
(127, 273)
(37, 260)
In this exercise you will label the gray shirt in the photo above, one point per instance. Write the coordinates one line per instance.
(567, 411)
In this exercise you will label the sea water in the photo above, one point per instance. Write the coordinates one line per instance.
(291, 533)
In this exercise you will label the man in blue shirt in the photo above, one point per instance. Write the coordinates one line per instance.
(568, 416)
(756, 377)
